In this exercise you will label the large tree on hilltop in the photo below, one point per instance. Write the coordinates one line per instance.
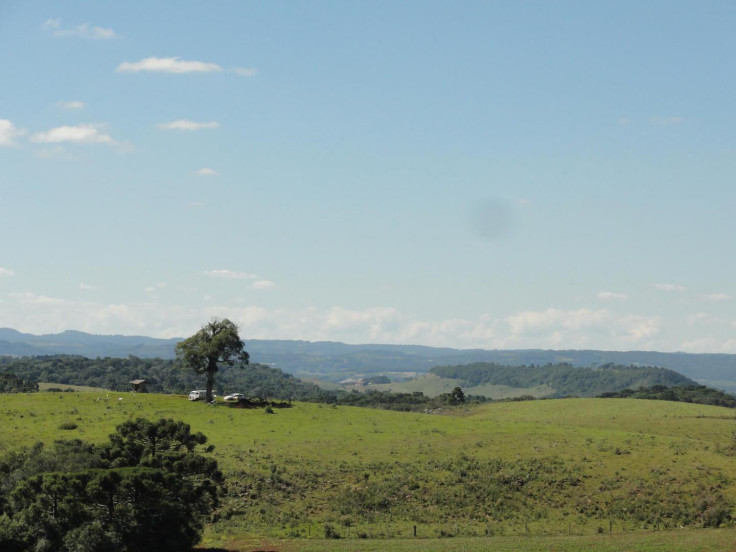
(217, 341)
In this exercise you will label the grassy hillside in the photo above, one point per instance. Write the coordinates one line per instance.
(572, 466)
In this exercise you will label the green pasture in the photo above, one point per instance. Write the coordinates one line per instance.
(568, 474)
(681, 540)
(84, 388)
(432, 385)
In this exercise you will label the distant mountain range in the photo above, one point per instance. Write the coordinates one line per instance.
(336, 361)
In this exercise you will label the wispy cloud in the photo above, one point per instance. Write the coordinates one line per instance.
(206, 172)
(666, 121)
(184, 124)
(716, 297)
(80, 134)
(172, 65)
(9, 132)
(670, 287)
(71, 105)
(611, 296)
(88, 287)
(80, 31)
(245, 71)
(151, 289)
(262, 285)
(624, 121)
(230, 274)
(6, 272)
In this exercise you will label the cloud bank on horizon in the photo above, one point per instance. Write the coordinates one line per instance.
(480, 176)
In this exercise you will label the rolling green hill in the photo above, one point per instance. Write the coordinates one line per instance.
(556, 467)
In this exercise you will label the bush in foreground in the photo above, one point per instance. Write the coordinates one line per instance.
(148, 489)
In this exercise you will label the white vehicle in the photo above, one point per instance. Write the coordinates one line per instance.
(233, 397)
(198, 395)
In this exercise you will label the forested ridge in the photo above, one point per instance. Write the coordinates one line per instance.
(167, 376)
(162, 375)
(265, 382)
(335, 361)
(698, 394)
(564, 378)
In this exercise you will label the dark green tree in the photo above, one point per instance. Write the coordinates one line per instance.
(217, 342)
(457, 396)
(147, 490)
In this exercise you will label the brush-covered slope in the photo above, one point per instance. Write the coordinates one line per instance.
(536, 467)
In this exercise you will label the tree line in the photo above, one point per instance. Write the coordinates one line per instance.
(698, 394)
(564, 378)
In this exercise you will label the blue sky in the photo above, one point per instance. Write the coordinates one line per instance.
(466, 174)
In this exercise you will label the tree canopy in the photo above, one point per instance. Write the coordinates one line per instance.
(217, 342)
(147, 490)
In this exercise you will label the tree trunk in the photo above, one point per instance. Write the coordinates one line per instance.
(211, 369)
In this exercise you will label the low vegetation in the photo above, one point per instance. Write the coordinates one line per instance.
(10, 383)
(554, 467)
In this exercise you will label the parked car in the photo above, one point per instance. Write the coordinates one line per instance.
(198, 395)
(234, 397)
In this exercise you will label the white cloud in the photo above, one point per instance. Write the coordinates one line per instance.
(533, 321)
(156, 287)
(206, 172)
(580, 328)
(88, 287)
(80, 134)
(624, 121)
(80, 31)
(168, 65)
(184, 124)
(261, 285)
(666, 121)
(9, 132)
(71, 105)
(230, 274)
(612, 296)
(698, 318)
(245, 71)
(6, 272)
(550, 328)
(196, 204)
(670, 287)
(716, 297)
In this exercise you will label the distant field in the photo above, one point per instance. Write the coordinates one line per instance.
(82, 388)
(508, 472)
(432, 385)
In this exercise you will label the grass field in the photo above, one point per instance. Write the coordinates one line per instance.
(83, 388)
(702, 540)
(572, 474)
(432, 385)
